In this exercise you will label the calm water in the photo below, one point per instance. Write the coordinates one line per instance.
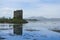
(30, 31)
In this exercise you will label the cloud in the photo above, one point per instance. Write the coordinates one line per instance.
(47, 8)
(23, 0)
(6, 12)
(50, 1)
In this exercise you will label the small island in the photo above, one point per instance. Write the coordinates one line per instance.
(17, 18)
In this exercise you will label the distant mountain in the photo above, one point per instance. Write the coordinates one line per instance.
(42, 19)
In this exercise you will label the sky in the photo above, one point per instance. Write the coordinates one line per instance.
(45, 8)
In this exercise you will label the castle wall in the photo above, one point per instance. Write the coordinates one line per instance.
(18, 14)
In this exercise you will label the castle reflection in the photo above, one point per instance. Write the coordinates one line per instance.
(17, 29)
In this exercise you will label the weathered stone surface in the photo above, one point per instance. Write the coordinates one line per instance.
(18, 14)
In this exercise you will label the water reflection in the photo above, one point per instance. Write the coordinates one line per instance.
(17, 29)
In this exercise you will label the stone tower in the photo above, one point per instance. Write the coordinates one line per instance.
(18, 14)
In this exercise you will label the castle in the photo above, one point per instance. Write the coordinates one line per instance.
(18, 14)
(18, 18)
